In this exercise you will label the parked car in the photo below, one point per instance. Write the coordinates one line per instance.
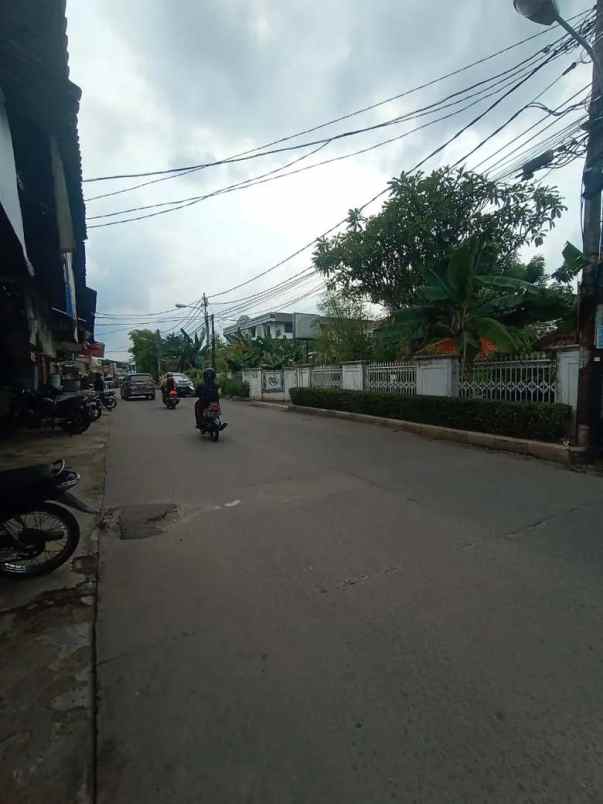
(184, 384)
(138, 385)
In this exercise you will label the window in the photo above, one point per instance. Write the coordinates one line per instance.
(289, 326)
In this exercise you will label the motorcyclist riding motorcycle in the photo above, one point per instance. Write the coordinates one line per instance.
(168, 385)
(207, 393)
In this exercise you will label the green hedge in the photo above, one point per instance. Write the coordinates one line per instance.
(535, 420)
(234, 388)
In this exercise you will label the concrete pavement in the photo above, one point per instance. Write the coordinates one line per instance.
(338, 613)
(47, 689)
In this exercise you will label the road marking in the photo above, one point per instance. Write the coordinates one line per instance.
(232, 504)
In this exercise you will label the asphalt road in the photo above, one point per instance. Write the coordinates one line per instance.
(339, 613)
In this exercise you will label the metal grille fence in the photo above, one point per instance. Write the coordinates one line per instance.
(393, 378)
(527, 378)
(326, 377)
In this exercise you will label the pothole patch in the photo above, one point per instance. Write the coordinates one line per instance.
(144, 521)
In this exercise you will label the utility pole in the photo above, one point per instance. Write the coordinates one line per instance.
(158, 352)
(588, 413)
(213, 343)
(206, 317)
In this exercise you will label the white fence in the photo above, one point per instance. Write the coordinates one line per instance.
(399, 378)
(326, 377)
(528, 378)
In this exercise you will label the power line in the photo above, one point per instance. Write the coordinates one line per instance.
(181, 203)
(260, 150)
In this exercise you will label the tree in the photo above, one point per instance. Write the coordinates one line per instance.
(144, 350)
(383, 257)
(274, 353)
(345, 334)
(460, 305)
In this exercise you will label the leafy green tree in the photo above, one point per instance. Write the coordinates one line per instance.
(345, 335)
(459, 304)
(243, 352)
(385, 256)
(144, 350)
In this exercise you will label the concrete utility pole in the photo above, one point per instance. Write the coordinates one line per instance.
(213, 343)
(158, 350)
(206, 317)
(590, 296)
(589, 384)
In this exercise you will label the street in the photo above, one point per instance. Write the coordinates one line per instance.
(335, 612)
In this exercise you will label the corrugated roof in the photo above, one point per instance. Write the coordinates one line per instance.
(34, 74)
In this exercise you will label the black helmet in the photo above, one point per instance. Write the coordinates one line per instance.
(209, 375)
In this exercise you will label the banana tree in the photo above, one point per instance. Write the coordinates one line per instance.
(460, 306)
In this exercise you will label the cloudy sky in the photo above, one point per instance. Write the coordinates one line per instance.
(173, 84)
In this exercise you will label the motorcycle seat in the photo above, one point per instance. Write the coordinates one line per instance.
(14, 481)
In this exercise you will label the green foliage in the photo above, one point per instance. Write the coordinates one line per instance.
(384, 257)
(267, 352)
(458, 303)
(177, 352)
(573, 263)
(232, 387)
(345, 334)
(531, 420)
(144, 350)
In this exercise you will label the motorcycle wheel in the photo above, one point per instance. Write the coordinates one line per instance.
(76, 426)
(37, 528)
(111, 404)
(214, 435)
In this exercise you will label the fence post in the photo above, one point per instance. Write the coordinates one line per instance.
(353, 375)
(438, 376)
(568, 366)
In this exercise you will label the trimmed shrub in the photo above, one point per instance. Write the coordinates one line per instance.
(532, 420)
(234, 388)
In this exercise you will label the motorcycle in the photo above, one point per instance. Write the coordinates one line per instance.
(170, 400)
(73, 412)
(108, 399)
(37, 531)
(212, 423)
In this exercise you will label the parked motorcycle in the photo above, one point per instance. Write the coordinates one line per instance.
(170, 400)
(212, 423)
(108, 399)
(73, 412)
(37, 531)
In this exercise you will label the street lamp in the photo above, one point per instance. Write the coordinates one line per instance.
(546, 12)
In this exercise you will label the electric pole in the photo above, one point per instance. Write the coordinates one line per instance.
(588, 412)
(213, 343)
(206, 317)
(158, 351)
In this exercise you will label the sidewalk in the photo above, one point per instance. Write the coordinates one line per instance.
(47, 697)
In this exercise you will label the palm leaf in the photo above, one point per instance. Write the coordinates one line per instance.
(496, 332)
(461, 270)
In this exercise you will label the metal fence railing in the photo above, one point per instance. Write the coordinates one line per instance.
(326, 377)
(516, 378)
(392, 378)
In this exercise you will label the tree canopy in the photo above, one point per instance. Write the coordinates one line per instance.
(345, 335)
(383, 257)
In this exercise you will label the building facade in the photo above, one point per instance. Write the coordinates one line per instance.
(46, 309)
(292, 326)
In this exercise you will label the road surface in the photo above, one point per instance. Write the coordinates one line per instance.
(336, 613)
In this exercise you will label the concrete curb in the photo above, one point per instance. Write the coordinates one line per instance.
(558, 453)
(272, 405)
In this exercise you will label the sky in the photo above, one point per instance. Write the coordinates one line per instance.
(174, 84)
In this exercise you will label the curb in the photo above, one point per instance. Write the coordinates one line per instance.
(558, 453)
(272, 405)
